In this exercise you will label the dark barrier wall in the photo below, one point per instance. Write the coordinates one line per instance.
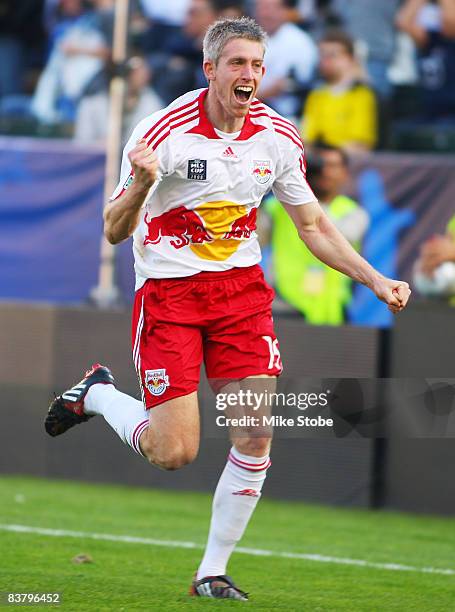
(47, 348)
(418, 472)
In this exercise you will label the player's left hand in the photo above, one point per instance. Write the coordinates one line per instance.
(393, 292)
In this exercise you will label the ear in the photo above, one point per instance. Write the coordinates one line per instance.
(209, 70)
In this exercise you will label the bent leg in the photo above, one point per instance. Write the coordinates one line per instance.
(167, 354)
(125, 414)
(171, 439)
(167, 435)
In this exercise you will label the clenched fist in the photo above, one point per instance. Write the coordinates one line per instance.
(394, 293)
(144, 163)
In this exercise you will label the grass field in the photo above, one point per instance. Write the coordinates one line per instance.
(145, 576)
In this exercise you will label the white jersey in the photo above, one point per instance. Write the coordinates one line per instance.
(200, 215)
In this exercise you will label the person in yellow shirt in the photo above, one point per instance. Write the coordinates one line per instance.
(342, 111)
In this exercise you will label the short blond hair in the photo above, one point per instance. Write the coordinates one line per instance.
(224, 30)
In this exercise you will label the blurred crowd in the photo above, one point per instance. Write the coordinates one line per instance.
(353, 75)
(344, 71)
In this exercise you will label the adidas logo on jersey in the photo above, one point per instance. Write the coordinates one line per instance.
(229, 154)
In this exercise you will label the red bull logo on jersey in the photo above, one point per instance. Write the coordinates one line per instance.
(181, 225)
(213, 230)
(156, 381)
(262, 170)
(243, 227)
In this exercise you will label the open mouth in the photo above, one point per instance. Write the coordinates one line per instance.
(243, 93)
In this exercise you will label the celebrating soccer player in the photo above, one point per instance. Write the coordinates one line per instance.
(192, 178)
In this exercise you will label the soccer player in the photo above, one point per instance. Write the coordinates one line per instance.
(192, 178)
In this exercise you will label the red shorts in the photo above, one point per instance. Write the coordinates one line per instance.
(223, 318)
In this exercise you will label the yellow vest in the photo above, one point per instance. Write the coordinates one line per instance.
(319, 292)
(451, 227)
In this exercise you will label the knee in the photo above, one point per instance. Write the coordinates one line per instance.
(253, 447)
(172, 456)
(176, 459)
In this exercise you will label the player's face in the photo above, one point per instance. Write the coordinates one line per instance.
(237, 76)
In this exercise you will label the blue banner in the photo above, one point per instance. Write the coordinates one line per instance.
(51, 197)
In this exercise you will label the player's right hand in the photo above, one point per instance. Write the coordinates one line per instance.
(144, 163)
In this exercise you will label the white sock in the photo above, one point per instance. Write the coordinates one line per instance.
(236, 496)
(126, 415)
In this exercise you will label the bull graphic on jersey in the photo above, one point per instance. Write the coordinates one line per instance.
(213, 230)
(243, 227)
(262, 170)
(180, 224)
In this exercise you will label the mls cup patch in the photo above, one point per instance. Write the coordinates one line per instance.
(262, 171)
(197, 169)
(156, 381)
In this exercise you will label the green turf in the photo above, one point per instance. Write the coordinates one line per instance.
(143, 577)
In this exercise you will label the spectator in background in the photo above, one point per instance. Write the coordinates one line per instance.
(371, 24)
(342, 111)
(303, 12)
(165, 19)
(104, 14)
(434, 272)
(314, 16)
(78, 57)
(290, 59)
(61, 15)
(91, 118)
(21, 37)
(178, 66)
(432, 27)
(320, 293)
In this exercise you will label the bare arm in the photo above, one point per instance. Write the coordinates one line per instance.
(328, 244)
(121, 216)
(406, 20)
(448, 18)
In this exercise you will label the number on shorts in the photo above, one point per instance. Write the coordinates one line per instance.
(275, 357)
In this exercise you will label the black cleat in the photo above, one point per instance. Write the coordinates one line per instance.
(218, 587)
(67, 409)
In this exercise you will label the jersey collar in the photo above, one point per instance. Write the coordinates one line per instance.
(205, 127)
